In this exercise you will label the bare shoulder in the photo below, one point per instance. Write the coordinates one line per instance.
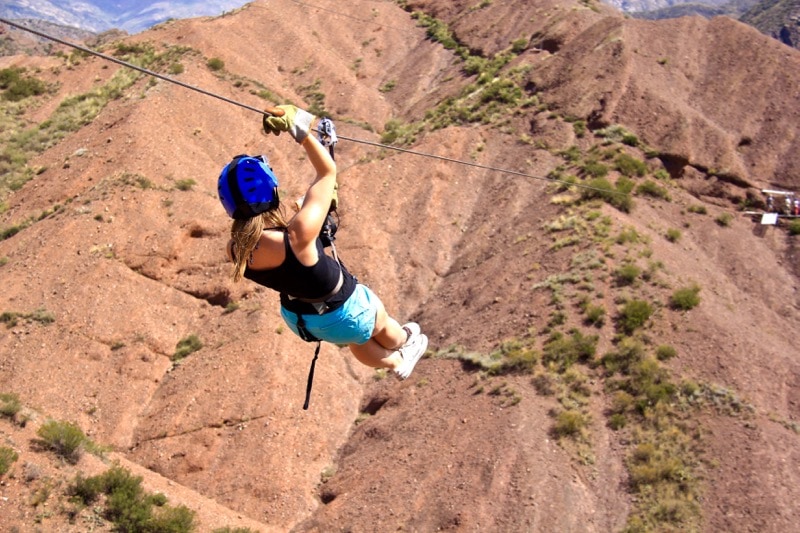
(269, 252)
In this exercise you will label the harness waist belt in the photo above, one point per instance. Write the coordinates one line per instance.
(322, 299)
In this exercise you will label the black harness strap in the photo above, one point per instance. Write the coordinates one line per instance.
(308, 337)
(311, 376)
(328, 138)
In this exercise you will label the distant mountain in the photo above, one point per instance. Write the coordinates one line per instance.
(662, 9)
(16, 41)
(97, 16)
(777, 18)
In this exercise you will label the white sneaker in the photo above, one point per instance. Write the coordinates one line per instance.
(411, 352)
(412, 328)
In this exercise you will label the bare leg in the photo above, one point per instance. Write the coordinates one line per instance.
(380, 350)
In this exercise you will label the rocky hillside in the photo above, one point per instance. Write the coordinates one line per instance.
(612, 340)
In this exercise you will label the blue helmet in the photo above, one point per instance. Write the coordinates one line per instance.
(247, 187)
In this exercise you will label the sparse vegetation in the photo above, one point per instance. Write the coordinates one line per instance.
(685, 298)
(673, 235)
(186, 346)
(652, 189)
(569, 423)
(724, 219)
(9, 404)
(627, 274)
(388, 86)
(7, 458)
(629, 166)
(595, 315)
(617, 195)
(128, 506)
(665, 352)
(634, 315)
(185, 184)
(215, 64)
(20, 141)
(563, 351)
(16, 85)
(65, 439)
(12, 318)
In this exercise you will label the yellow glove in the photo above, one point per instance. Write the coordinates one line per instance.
(288, 118)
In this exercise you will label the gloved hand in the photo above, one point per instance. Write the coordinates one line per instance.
(288, 118)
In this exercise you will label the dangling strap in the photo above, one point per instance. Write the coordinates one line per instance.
(311, 376)
(308, 337)
(327, 135)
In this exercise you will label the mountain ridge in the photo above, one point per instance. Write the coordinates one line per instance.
(117, 233)
(98, 16)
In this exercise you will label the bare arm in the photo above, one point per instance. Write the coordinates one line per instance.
(305, 227)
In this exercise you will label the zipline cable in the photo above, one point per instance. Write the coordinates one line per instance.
(129, 65)
(263, 112)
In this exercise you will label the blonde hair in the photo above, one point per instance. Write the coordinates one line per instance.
(246, 233)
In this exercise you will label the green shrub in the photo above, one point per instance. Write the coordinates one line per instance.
(633, 315)
(649, 382)
(621, 402)
(649, 466)
(388, 86)
(617, 421)
(665, 352)
(519, 45)
(129, 507)
(629, 352)
(794, 227)
(697, 209)
(594, 169)
(9, 404)
(630, 139)
(617, 195)
(186, 346)
(724, 219)
(595, 315)
(652, 189)
(628, 235)
(573, 153)
(673, 235)
(565, 351)
(517, 357)
(16, 86)
(7, 457)
(569, 423)
(215, 64)
(627, 274)
(64, 438)
(685, 298)
(185, 185)
(630, 166)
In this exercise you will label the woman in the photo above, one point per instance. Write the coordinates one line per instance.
(320, 299)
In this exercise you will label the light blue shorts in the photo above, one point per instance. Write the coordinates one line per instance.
(352, 323)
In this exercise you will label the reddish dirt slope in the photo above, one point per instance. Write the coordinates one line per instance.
(127, 271)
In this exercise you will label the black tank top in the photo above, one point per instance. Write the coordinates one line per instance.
(292, 279)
